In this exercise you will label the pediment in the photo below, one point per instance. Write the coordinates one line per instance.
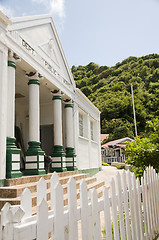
(40, 33)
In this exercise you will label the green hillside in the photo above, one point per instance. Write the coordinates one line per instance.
(109, 88)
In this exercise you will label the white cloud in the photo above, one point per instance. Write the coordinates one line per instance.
(53, 6)
(7, 11)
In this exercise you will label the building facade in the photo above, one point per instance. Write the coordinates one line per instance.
(114, 151)
(41, 110)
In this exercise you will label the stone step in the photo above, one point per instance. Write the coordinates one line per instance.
(97, 185)
(15, 191)
(35, 178)
(91, 183)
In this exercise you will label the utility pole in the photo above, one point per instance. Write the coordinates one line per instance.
(133, 109)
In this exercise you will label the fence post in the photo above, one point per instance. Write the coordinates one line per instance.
(26, 203)
(42, 221)
(10, 215)
(72, 208)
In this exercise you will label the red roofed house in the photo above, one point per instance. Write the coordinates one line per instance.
(114, 151)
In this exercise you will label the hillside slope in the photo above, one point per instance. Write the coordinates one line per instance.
(109, 88)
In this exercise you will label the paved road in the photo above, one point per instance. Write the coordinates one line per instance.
(106, 174)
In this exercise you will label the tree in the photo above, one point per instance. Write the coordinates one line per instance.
(143, 152)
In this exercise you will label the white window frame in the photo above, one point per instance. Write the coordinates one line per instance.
(81, 125)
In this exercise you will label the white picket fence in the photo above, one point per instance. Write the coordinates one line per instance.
(131, 209)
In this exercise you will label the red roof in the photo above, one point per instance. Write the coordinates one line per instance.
(119, 141)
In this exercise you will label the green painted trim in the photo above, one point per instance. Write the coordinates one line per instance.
(58, 151)
(70, 152)
(11, 64)
(34, 81)
(14, 174)
(72, 168)
(91, 171)
(11, 149)
(57, 97)
(68, 105)
(28, 172)
(34, 149)
(60, 169)
(2, 182)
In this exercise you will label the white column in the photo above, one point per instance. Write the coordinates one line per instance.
(34, 164)
(34, 111)
(57, 116)
(3, 111)
(58, 155)
(11, 95)
(69, 125)
(13, 153)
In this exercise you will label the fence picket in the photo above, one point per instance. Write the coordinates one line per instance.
(53, 182)
(154, 196)
(120, 206)
(149, 201)
(126, 207)
(95, 215)
(131, 201)
(141, 230)
(72, 207)
(41, 190)
(146, 220)
(114, 210)
(42, 221)
(136, 207)
(26, 203)
(108, 227)
(156, 193)
(147, 204)
(58, 213)
(84, 211)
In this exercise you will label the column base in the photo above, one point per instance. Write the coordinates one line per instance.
(12, 159)
(58, 159)
(34, 159)
(70, 159)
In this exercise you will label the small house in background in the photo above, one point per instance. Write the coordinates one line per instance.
(114, 151)
(103, 137)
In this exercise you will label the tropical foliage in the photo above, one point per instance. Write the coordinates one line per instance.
(143, 152)
(109, 88)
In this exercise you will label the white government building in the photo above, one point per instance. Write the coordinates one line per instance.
(38, 95)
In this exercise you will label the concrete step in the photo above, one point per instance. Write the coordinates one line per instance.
(35, 178)
(15, 191)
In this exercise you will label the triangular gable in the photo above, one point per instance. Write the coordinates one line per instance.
(41, 34)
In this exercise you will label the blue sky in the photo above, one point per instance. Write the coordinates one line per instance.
(100, 31)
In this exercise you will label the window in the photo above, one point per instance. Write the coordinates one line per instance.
(92, 138)
(81, 125)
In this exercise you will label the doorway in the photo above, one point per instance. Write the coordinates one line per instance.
(47, 138)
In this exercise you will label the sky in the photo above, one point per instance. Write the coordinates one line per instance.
(100, 31)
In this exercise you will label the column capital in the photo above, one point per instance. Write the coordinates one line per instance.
(68, 103)
(34, 77)
(12, 58)
(57, 94)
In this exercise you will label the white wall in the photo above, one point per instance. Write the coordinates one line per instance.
(3, 108)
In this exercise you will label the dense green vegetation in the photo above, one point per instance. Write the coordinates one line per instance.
(144, 151)
(109, 88)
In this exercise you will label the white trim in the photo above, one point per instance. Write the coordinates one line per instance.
(31, 159)
(31, 166)
(15, 157)
(41, 165)
(15, 166)
(83, 138)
